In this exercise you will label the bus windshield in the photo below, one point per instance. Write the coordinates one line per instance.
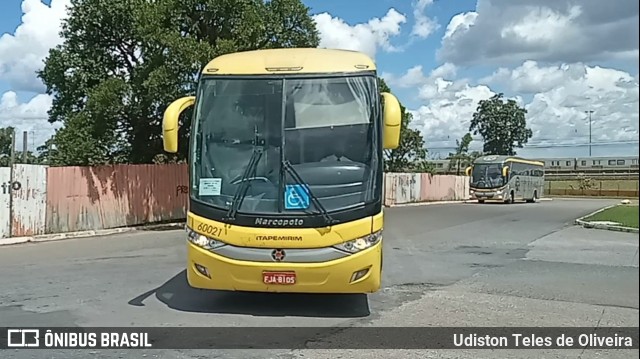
(290, 139)
(487, 175)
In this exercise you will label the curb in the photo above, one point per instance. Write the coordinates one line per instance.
(415, 204)
(85, 234)
(61, 236)
(586, 224)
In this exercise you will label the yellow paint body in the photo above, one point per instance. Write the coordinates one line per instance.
(323, 277)
(332, 276)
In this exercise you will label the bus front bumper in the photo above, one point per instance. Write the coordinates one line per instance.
(482, 195)
(357, 273)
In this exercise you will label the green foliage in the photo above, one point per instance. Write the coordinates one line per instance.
(501, 124)
(411, 155)
(462, 158)
(123, 61)
(5, 145)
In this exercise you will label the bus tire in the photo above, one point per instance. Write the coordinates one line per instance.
(535, 197)
(481, 201)
(511, 198)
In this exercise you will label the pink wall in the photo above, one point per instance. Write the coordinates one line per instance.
(423, 187)
(68, 199)
(88, 198)
(443, 188)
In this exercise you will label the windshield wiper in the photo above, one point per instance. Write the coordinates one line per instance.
(292, 171)
(241, 192)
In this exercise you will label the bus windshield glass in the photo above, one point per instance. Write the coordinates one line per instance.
(290, 139)
(487, 175)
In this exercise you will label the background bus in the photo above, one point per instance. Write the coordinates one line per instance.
(285, 171)
(506, 178)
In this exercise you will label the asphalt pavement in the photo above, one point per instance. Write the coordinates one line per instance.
(444, 265)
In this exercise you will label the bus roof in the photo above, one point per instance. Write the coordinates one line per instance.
(501, 159)
(289, 61)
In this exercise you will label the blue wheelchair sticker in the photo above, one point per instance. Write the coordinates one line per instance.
(296, 197)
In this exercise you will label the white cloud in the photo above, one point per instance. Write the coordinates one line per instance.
(542, 26)
(415, 76)
(529, 78)
(559, 113)
(510, 32)
(23, 52)
(365, 37)
(558, 98)
(29, 116)
(460, 22)
(424, 25)
(448, 108)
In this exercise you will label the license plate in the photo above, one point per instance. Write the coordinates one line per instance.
(283, 278)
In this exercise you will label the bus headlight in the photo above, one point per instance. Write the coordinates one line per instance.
(359, 244)
(203, 241)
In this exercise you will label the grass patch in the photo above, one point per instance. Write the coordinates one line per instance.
(626, 215)
(625, 188)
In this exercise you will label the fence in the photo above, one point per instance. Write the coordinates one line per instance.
(43, 200)
(593, 187)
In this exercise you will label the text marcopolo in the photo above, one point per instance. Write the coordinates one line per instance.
(537, 341)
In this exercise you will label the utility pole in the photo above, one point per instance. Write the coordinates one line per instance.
(24, 147)
(12, 161)
(589, 112)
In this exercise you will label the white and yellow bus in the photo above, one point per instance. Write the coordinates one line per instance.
(506, 178)
(286, 171)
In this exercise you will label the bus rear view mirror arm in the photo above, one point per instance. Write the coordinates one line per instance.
(170, 122)
(505, 171)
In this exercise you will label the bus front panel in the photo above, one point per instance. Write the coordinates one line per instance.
(346, 258)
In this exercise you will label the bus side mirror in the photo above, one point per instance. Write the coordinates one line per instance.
(505, 171)
(170, 122)
(392, 121)
(467, 171)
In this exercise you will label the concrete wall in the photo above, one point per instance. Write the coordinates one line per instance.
(22, 201)
(87, 198)
(69, 199)
(29, 201)
(403, 188)
(5, 223)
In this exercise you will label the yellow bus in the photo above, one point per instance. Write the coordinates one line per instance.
(286, 171)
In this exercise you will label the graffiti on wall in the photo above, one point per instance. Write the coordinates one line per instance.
(7, 187)
(182, 190)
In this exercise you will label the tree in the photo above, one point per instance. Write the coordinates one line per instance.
(460, 159)
(411, 155)
(5, 145)
(123, 61)
(501, 124)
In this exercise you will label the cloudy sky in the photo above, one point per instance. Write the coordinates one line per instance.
(558, 58)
